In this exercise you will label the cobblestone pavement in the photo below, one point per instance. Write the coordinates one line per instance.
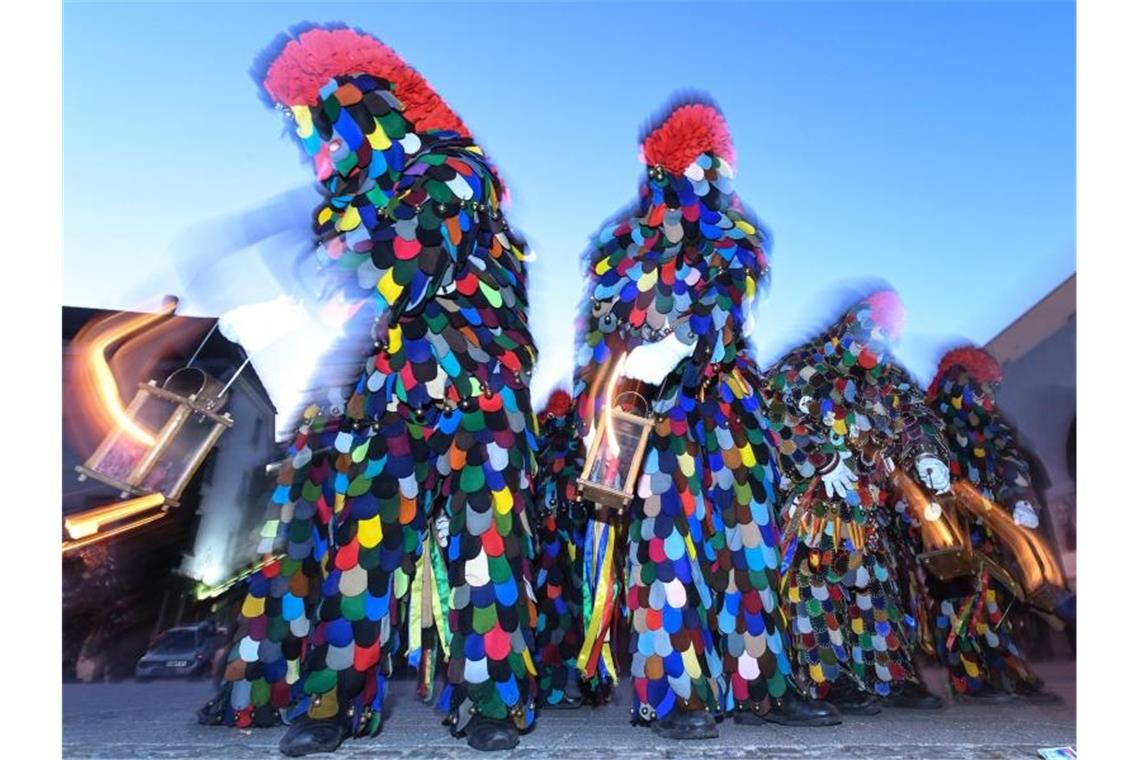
(156, 720)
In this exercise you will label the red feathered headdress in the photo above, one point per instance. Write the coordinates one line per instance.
(888, 312)
(689, 130)
(307, 63)
(558, 404)
(976, 361)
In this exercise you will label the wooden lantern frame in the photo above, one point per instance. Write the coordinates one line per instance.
(205, 403)
(600, 493)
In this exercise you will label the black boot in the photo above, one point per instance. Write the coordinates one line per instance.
(212, 713)
(309, 737)
(852, 699)
(490, 735)
(913, 696)
(1035, 694)
(687, 724)
(986, 695)
(792, 709)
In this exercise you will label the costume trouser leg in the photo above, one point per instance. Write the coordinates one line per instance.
(974, 643)
(263, 667)
(558, 586)
(675, 663)
(880, 654)
(743, 548)
(483, 462)
(847, 614)
(376, 530)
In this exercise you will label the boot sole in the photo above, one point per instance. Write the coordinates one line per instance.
(866, 710)
(683, 734)
(752, 720)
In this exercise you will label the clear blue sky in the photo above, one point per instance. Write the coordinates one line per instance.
(929, 145)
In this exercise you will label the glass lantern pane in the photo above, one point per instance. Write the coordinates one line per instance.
(612, 466)
(178, 457)
(126, 450)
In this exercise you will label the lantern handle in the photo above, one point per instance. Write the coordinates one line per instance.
(230, 382)
(635, 394)
(202, 345)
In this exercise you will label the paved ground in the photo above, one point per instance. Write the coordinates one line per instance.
(155, 720)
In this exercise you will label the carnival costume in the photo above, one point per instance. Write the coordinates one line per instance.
(843, 416)
(669, 284)
(415, 496)
(970, 616)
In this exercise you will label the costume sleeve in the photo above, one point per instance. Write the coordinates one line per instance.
(918, 428)
(1014, 483)
(803, 444)
(407, 248)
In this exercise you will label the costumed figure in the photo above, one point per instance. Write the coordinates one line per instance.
(669, 285)
(409, 502)
(560, 539)
(844, 416)
(970, 613)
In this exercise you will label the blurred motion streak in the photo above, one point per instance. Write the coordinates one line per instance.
(89, 522)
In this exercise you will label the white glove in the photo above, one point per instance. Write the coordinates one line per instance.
(933, 472)
(840, 480)
(1025, 515)
(442, 531)
(256, 325)
(652, 362)
(589, 438)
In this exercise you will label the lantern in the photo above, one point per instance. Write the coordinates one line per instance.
(167, 433)
(1034, 573)
(943, 529)
(613, 462)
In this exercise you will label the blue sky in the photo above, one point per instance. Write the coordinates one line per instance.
(928, 145)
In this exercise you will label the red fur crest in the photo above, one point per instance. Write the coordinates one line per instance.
(976, 361)
(307, 63)
(689, 131)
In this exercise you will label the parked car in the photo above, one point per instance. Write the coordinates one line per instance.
(186, 650)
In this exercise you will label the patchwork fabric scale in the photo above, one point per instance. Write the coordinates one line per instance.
(559, 568)
(407, 509)
(970, 621)
(840, 399)
(701, 575)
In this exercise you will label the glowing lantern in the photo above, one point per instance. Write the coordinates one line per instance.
(165, 435)
(613, 462)
(943, 531)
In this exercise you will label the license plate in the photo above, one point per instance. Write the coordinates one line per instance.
(177, 663)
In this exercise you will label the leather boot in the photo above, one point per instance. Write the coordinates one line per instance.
(986, 694)
(490, 735)
(913, 696)
(687, 724)
(309, 737)
(792, 709)
(852, 699)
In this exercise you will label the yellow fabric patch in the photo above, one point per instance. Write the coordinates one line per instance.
(304, 118)
(253, 606)
(379, 139)
(388, 287)
(503, 500)
(748, 456)
(748, 228)
(857, 626)
(349, 219)
(692, 664)
(369, 532)
(395, 339)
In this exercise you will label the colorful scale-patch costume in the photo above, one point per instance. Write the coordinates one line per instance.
(439, 424)
(558, 568)
(840, 398)
(701, 573)
(969, 635)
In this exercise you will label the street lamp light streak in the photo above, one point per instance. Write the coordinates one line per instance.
(88, 523)
(105, 384)
(103, 536)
